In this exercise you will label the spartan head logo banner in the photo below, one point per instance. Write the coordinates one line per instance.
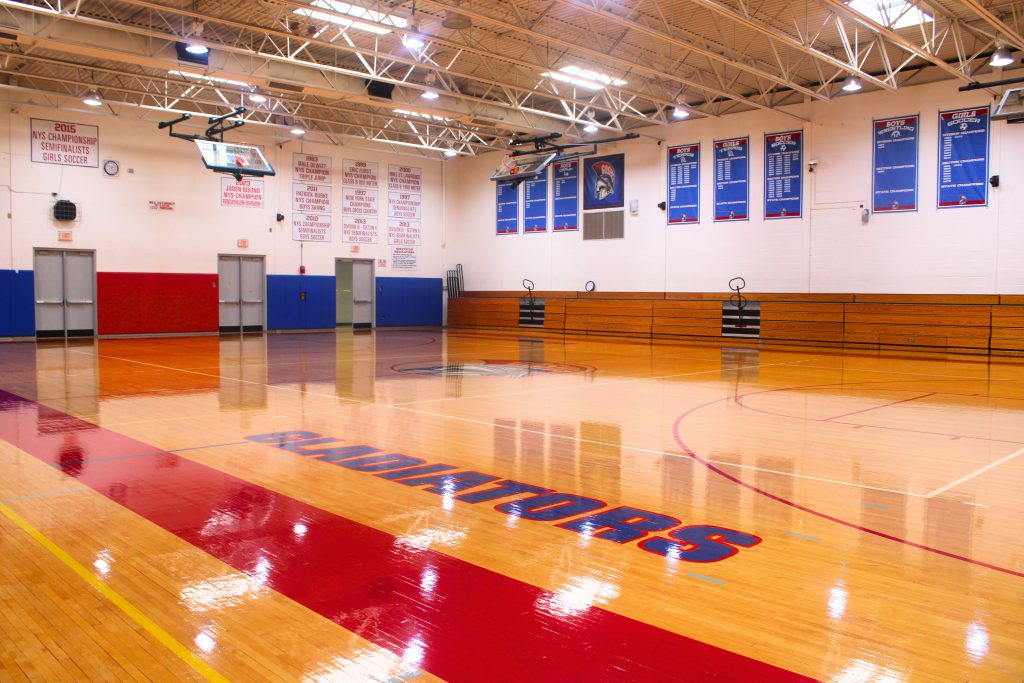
(603, 182)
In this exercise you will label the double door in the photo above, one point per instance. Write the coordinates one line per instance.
(65, 287)
(242, 283)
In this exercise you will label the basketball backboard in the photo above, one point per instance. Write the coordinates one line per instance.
(519, 168)
(1010, 107)
(238, 160)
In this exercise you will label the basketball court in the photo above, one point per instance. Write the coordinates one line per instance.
(481, 341)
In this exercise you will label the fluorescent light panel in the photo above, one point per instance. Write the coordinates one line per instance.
(352, 11)
(429, 117)
(208, 79)
(583, 78)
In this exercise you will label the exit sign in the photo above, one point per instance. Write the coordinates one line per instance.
(64, 236)
(243, 244)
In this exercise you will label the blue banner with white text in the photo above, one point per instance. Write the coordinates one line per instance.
(894, 180)
(535, 203)
(732, 173)
(783, 175)
(507, 207)
(566, 195)
(683, 204)
(963, 158)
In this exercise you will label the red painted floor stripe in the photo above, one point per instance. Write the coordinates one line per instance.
(454, 619)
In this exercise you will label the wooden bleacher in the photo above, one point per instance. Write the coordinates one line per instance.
(989, 324)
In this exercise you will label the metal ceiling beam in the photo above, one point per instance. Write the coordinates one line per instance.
(601, 57)
(895, 38)
(687, 45)
(1011, 35)
(775, 34)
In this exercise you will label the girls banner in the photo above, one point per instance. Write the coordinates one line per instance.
(683, 204)
(894, 180)
(783, 174)
(963, 158)
(732, 173)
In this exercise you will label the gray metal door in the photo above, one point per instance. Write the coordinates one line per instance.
(362, 294)
(241, 284)
(65, 286)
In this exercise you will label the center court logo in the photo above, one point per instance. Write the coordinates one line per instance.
(489, 368)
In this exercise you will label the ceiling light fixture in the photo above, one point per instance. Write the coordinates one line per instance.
(1001, 57)
(851, 84)
(257, 96)
(92, 98)
(590, 128)
(196, 48)
(680, 113)
(334, 7)
(429, 95)
(450, 152)
(414, 40)
(297, 131)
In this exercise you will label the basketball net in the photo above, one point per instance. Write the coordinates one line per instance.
(509, 165)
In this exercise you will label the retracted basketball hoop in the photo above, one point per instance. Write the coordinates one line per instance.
(523, 164)
(224, 157)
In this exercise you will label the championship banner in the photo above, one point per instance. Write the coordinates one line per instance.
(405, 178)
(245, 193)
(603, 181)
(507, 201)
(566, 196)
(311, 168)
(359, 229)
(894, 161)
(963, 158)
(359, 201)
(311, 198)
(405, 233)
(65, 143)
(783, 174)
(535, 204)
(307, 227)
(732, 171)
(359, 173)
(683, 205)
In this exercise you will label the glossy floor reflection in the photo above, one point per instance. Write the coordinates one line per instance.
(415, 505)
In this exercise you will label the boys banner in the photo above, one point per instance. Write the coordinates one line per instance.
(732, 170)
(683, 204)
(567, 195)
(783, 174)
(507, 194)
(535, 204)
(963, 158)
(894, 179)
(603, 182)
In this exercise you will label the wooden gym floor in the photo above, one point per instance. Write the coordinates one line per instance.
(418, 506)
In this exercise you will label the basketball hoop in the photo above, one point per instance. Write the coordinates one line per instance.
(509, 165)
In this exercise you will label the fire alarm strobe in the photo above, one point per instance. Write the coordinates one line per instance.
(64, 210)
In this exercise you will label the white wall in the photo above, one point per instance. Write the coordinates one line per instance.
(116, 221)
(970, 250)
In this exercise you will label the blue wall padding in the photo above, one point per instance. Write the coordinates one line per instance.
(17, 303)
(408, 301)
(287, 311)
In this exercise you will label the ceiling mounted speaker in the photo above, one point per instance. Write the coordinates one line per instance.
(456, 21)
(379, 89)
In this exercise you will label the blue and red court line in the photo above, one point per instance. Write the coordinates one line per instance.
(466, 623)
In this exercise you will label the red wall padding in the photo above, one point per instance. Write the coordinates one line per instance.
(148, 303)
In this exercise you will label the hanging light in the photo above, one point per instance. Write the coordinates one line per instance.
(1001, 57)
(257, 96)
(414, 40)
(196, 48)
(297, 131)
(92, 98)
(450, 152)
(429, 95)
(851, 84)
(590, 128)
(680, 113)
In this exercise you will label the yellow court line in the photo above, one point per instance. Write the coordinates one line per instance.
(165, 639)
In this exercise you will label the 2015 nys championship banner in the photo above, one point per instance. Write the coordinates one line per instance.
(783, 174)
(535, 204)
(567, 195)
(732, 171)
(894, 179)
(683, 204)
(507, 209)
(963, 158)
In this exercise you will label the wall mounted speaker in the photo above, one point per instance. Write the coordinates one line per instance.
(63, 210)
